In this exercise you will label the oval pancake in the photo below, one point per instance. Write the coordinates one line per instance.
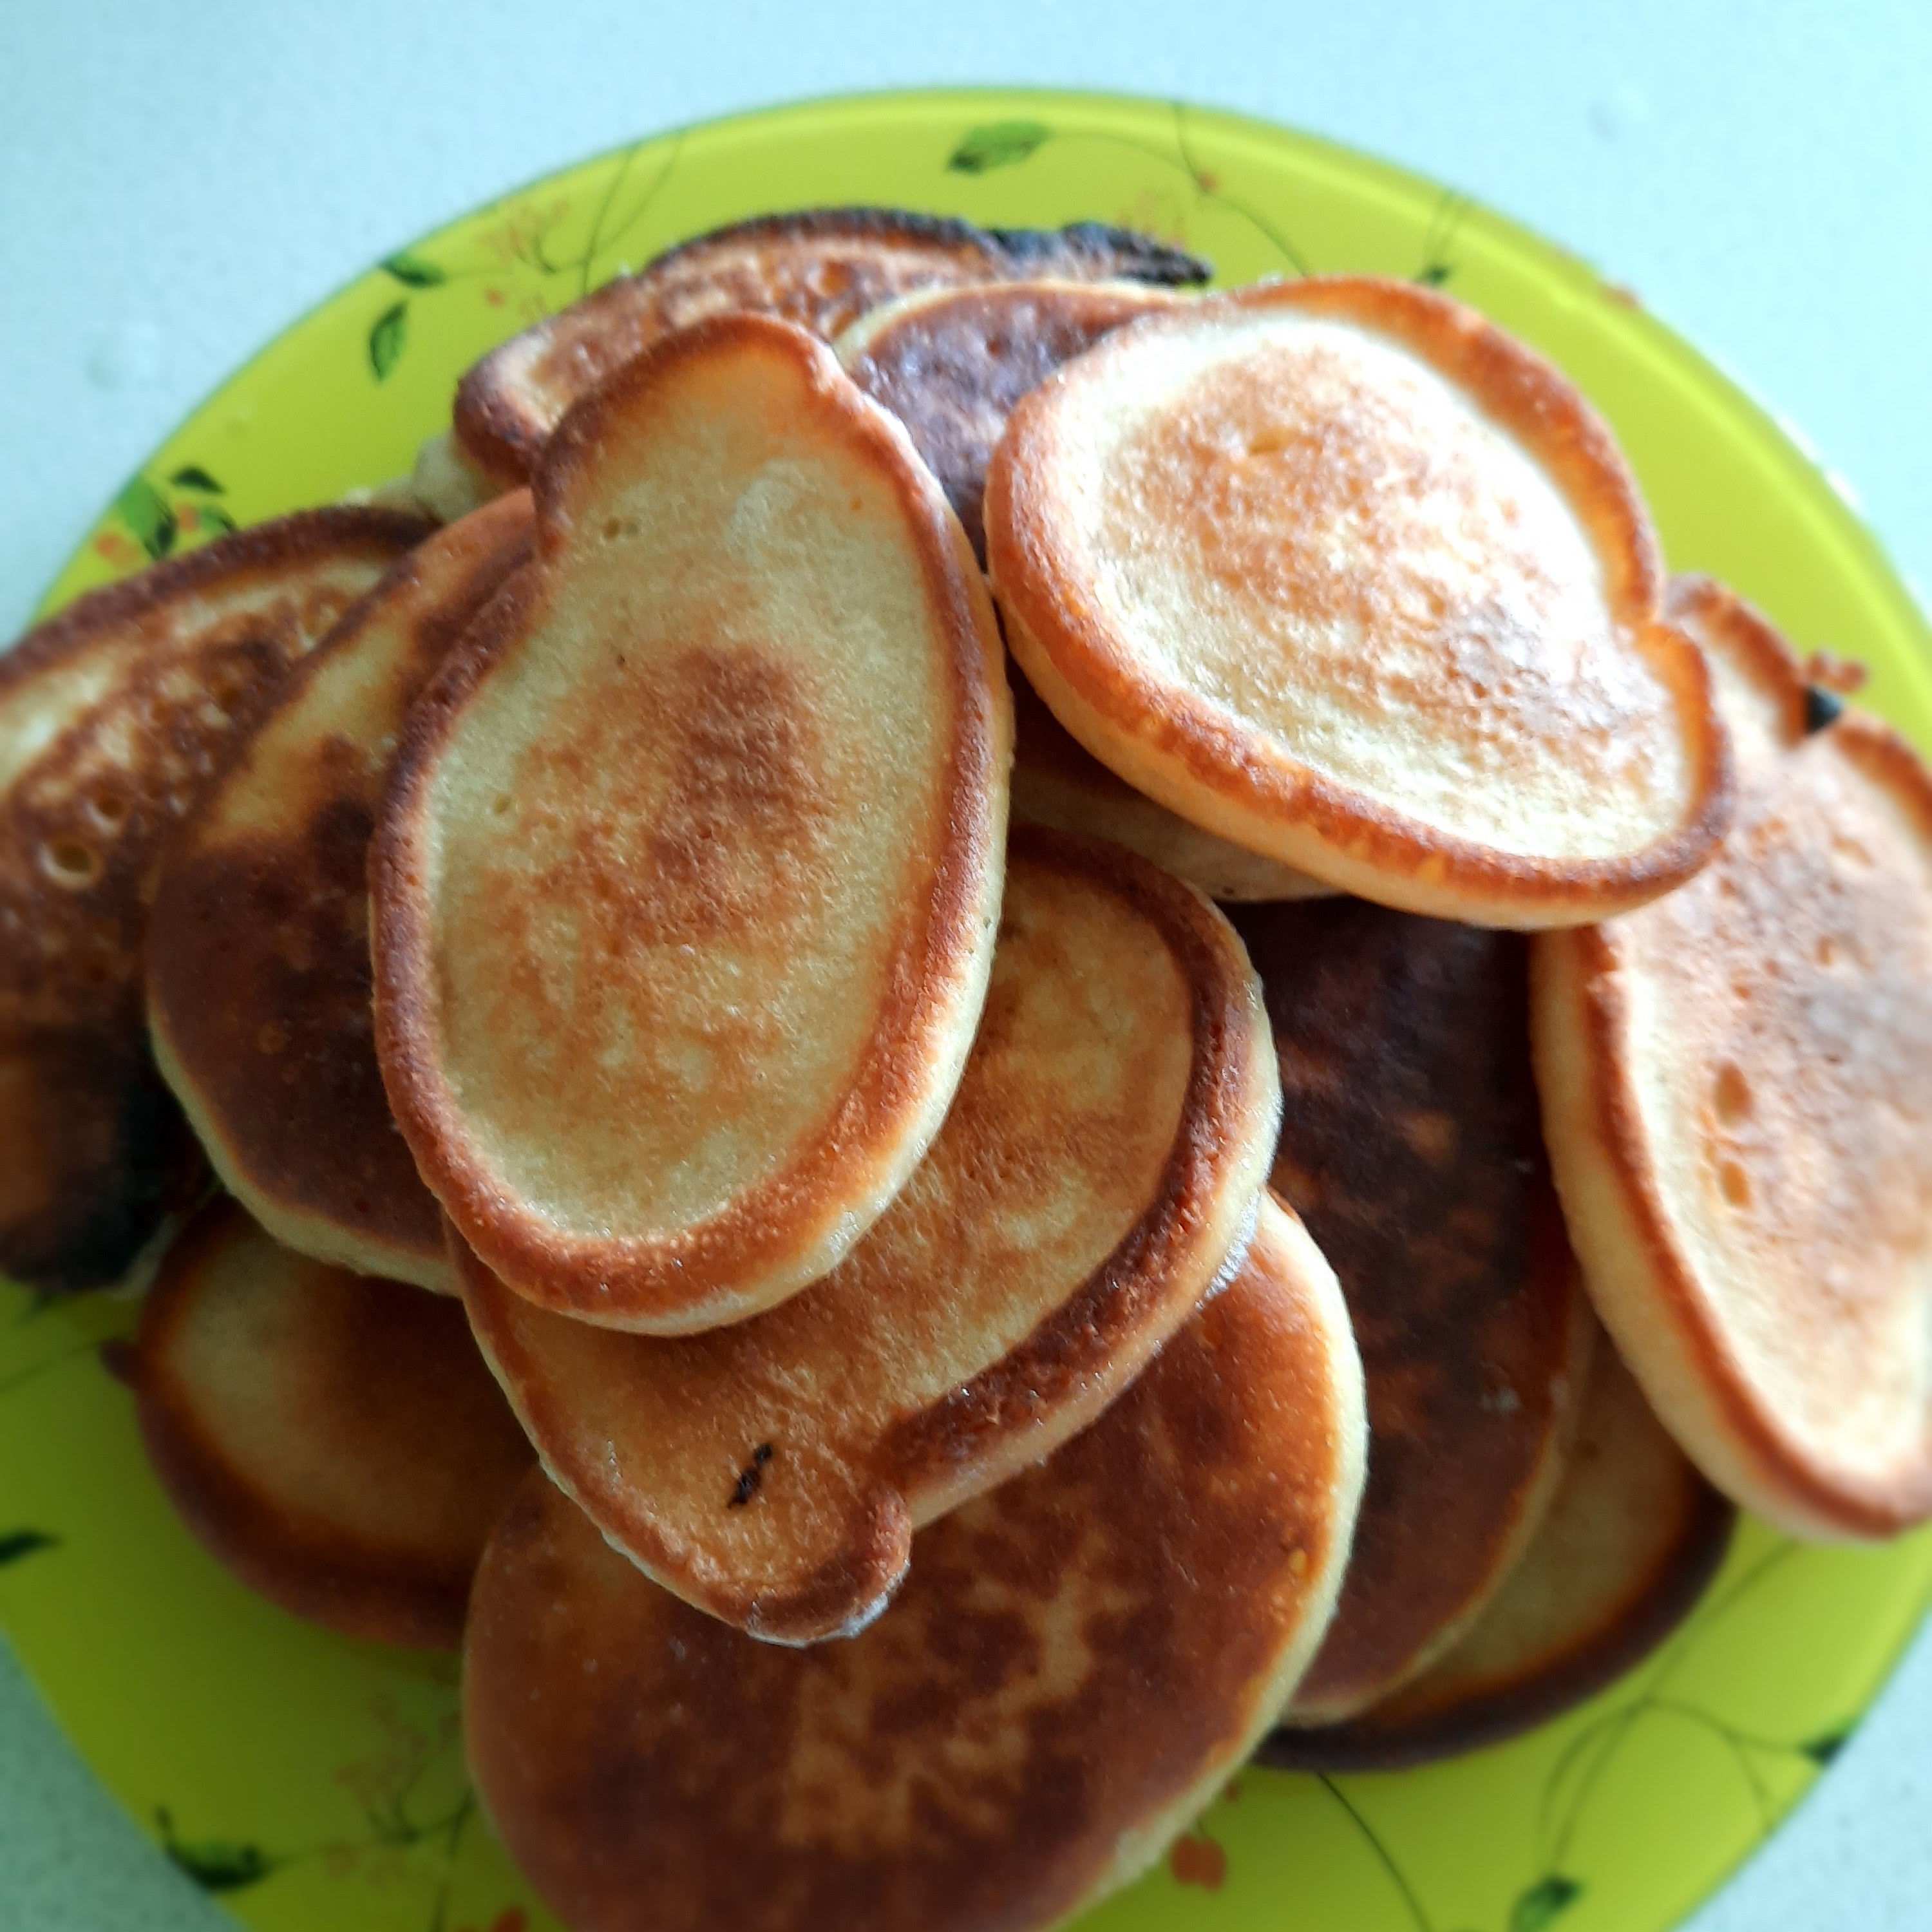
(259, 982)
(1098, 1169)
(1410, 1145)
(1737, 1090)
(112, 716)
(333, 1439)
(1345, 575)
(951, 364)
(685, 889)
(1631, 1540)
(1077, 1663)
(820, 267)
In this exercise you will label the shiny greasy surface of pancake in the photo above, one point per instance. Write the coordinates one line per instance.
(822, 268)
(1077, 1663)
(1101, 1158)
(1339, 570)
(112, 716)
(335, 1440)
(259, 982)
(1737, 1088)
(951, 363)
(1632, 1538)
(686, 889)
(1409, 1144)
(1057, 782)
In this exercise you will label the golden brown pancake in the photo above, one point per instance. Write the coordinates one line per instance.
(1077, 1663)
(112, 716)
(258, 945)
(1632, 1538)
(820, 267)
(1057, 782)
(335, 1440)
(1101, 1161)
(1409, 1144)
(686, 890)
(951, 363)
(1342, 572)
(1737, 1089)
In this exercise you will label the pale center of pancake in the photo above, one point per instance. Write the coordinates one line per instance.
(691, 826)
(1316, 532)
(1782, 1024)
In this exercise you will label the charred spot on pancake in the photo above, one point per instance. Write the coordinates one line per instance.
(1822, 708)
(750, 1477)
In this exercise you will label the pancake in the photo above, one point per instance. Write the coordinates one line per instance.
(1342, 572)
(333, 1439)
(1057, 782)
(686, 890)
(259, 983)
(820, 267)
(1410, 1146)
(1077, 1663)
(951, 363)
(1737, 1091)
(1097, 1172)
(1633, 1538)
(112, 716)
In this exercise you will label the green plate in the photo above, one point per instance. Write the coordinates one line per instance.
(314, 1783)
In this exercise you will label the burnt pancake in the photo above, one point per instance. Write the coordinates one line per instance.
(686, 889)
(112, 715)
(1410, 1146)
(334, 1439)
(259, 983)
(1097, 1171)
(1631, 1539)
(1737, 1090)
(820, 268)
(1077, 1662)
(1343, 573)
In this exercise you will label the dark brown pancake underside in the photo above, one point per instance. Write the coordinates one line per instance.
(98, 1151)
(1411, 1147)
(258, 952)
(371, 1375)
(822, 268)
(952, 373)
(1069, 1656)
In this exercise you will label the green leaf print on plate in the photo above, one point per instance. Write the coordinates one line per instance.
(322, 1780)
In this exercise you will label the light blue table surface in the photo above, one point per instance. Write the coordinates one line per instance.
(177, 181)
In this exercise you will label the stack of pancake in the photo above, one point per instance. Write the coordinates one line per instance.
(916, 1249)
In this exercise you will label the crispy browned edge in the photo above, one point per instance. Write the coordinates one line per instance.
(339, 1587)
(497, 434)
(1507, 1711)
(1616, 1202)
(1358, 843)
(1193, 1235)
(592, 1279)
(231, 1160)
(301, 534)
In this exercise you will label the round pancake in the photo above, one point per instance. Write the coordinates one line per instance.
(951, 363)
(686, 890)
(1077, 1663)
(1737, 1091)
(1096, 1174)
(334, 1440)
(1630, 1541)
(258, 982)
(820, 267)
(112, 716)
(1343, 573)
(1410, 1145)
(1057, 783)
